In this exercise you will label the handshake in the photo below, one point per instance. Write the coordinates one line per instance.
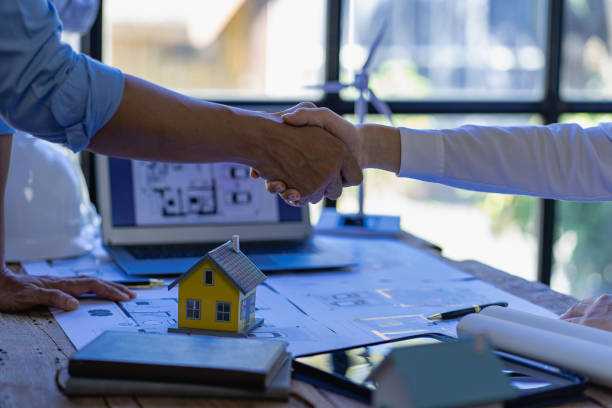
(318, 155)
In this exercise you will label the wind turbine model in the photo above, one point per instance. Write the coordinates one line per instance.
(375, 224)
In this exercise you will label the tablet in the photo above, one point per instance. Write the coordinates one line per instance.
(347, 370)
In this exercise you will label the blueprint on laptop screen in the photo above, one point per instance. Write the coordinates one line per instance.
(166, 194)
(174, 193)
(389, 295)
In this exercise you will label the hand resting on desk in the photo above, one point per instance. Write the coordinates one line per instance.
(22, 292)
(594, 312)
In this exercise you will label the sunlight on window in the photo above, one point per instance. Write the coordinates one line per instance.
(233, 49)
(448, 49)
(586, 69)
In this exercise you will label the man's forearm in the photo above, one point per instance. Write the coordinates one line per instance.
(153, 123)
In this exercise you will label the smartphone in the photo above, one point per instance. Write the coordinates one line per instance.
(347, 371)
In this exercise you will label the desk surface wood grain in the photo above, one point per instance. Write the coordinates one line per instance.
(33, 346)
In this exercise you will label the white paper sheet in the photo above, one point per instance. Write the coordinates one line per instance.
(97, 264)
(389, 295)
(154, 310)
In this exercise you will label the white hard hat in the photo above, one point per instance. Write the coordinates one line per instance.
(47, 209)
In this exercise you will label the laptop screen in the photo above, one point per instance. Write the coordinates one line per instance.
(174, 194)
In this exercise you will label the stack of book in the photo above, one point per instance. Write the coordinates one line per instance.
(125, 363)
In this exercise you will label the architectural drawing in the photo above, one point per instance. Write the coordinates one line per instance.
(151, 315)
(173, 193)
(387, 296)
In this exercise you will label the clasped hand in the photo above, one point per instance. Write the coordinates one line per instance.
(337, 166)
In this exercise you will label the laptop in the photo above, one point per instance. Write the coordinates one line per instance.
(160, 218)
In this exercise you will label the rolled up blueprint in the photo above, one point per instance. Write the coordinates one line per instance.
(552, 325)
(579, 355)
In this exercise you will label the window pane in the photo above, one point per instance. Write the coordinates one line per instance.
(72, 39)
(582, 255)
(496, 229)
(209, 277)
(193, 309)
(230, 49)
(585, 71)
(448, 49)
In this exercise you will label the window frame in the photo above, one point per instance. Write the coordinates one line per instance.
(243, 306)
(223, 312)
(212, 274)
(197, 309)
(549, 108)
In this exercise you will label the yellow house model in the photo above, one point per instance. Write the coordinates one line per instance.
(217, 294)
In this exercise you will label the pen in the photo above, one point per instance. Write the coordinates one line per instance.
(141, 284)
(453, 314)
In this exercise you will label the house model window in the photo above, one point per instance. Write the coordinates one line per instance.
(209, 277)
(223, 311)
(243, 306)
(193, 309)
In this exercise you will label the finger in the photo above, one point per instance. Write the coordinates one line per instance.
(254, 173)
(603, 300)
(572, 312)
(308, 105)
(334, 189)
(80, 286)
(298, 203)
(578, 309)
(123, 289)
(315, 198)
(321, 117)
(305, 116)
(351, 172)
(575, 320)
(290, 195)
(275, 187)
(55, 298)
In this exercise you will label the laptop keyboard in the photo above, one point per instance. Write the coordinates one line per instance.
(198, 250)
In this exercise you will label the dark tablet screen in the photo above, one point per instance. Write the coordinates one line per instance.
(355, 364)
(347, 370)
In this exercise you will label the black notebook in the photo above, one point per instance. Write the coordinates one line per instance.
(180, 358)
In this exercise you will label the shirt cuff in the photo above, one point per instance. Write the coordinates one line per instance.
(422, 154)
(87, 100)
(5, 129)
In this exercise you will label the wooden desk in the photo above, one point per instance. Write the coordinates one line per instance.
(33, 346)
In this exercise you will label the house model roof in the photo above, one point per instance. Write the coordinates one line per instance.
(236, 266)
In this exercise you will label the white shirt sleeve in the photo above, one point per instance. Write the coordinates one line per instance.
(560, 161)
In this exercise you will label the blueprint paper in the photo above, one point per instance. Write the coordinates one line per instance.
(389, 295)
(154, 310)
(97, 264)
(177, 193)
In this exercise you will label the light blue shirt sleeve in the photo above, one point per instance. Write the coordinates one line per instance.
(560, 161)
(46, 88)
(5, 129)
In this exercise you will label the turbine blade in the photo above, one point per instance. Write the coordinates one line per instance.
(381, 106)
(331, 87)
(375, 44)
